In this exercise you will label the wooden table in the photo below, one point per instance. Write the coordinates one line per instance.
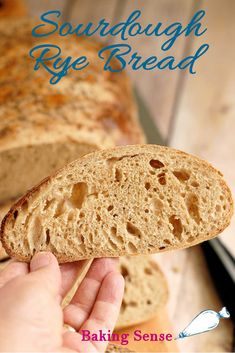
(195, 113)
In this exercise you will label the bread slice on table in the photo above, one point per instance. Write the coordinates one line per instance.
(45, 126)
(145, 290)
(128, 200)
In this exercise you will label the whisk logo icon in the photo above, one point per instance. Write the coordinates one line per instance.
(207, 320)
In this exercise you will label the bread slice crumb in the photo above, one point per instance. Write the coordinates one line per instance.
(128, 200)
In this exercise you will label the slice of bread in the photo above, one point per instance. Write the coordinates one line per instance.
(44, 126)
(145, 290)
(128, 200)
(3, 211)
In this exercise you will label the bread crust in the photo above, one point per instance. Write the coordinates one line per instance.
(81, 107)
(123, 152)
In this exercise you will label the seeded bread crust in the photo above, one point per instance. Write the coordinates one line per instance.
(124, 201)
(44, 127)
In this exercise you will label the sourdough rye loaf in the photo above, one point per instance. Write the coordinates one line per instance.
(145, 290)
(45, 126)
(127, 200)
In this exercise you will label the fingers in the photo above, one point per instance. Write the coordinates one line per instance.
(11, 271)
(70, 273)
(103, 316)
(44, 269)
(82, 303)
(106, 308)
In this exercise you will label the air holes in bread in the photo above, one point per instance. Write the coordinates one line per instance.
(149, 302)
(111, 161)
(193, 209)
(114, 231)
(181, 175)
(35, 233)
(110, 208)
(195, 184)
(147, 185)
(162, 178)
(59, 209)
(131, 248)
(15, 214)
(79, 193)
(190, 239)
(177, 226)
(124, 271)
(148, 271)
(118, 175)
(48, 238)
(133, 304)
(124, 305)
(156, 164)
(157, 206)
(162, 248)
(48, 204)
(133, 230)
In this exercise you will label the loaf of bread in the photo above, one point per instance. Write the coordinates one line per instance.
(12, 8)
(127, 200)
(45, 126)
(145, 290)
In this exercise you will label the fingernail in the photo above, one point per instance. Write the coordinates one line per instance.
(40, 260)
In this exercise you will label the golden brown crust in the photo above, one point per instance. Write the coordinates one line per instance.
(12, 8)
(98, 107)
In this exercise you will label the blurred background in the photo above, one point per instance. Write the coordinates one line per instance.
(195, 113)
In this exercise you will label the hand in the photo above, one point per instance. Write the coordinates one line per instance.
(31, 317)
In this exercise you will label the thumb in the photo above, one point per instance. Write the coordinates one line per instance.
(44, 268)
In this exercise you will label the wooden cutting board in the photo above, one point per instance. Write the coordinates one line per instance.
(160, 324)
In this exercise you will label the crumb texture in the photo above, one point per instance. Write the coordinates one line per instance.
(145, 290)
(128, 200)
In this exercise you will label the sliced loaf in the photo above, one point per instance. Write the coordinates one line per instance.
(127, 200)
(44, 126)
